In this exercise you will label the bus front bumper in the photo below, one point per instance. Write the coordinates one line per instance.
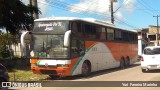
(59, 71)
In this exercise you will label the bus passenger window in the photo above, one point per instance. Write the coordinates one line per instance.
(118, 35)
(110, 34)
(76, 29)
(90, 31)
(77, 48)
(101, 33)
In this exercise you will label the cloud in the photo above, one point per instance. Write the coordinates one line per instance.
(103, 7)
(25, 1)
(90, 6)
(130, 4)
(43, 5)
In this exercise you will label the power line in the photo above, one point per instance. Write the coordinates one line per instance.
(157, 38)
(64, 6)
(145, 7)
(152, 9)
(126, 23)
(120, 6)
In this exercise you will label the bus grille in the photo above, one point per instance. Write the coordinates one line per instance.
(50, 72)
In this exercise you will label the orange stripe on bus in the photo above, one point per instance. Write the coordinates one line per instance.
(118, 49)
(34, 61)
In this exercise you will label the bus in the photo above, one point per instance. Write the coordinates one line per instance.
(67, 46)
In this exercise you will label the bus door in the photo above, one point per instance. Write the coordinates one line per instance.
(77, 41)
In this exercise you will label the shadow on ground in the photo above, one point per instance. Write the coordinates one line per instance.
(153, 71)
(13, 65)
(93, 74)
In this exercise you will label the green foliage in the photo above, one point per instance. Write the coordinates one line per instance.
(8, 39)
(15, 15)
(16, 57)
(4, 52)
(5, 40)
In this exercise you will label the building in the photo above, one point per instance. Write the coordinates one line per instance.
(150, 35)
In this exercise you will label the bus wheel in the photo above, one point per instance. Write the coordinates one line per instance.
(86, 68)
(122, 63)
(127, 61)
(144, 70)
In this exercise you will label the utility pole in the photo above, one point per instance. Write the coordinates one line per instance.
(112, 17)
(157, 36)
(111, 8)
(30, 1)
(34, 4)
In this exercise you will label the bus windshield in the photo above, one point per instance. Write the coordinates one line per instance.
(48, 39)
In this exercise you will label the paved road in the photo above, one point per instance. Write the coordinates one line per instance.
(132, 73)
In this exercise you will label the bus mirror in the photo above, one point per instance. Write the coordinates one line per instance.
(25, 38)
(66, 38)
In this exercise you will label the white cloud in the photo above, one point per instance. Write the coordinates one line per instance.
(90, 6)
(102, 7)
(43, 5)
(25, 1)
(129, 5)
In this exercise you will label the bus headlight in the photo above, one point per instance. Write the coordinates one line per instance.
(32, 53)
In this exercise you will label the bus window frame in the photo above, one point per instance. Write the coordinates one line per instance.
(76, 38)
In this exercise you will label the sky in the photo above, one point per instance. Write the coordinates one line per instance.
(129, 14)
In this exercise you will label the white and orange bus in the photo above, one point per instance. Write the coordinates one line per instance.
(65, 46)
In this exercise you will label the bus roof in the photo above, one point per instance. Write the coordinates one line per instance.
(90, 20)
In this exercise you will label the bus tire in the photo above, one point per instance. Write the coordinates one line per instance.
(144, 70)
(122, 63)
(86, 68)
(127, 62)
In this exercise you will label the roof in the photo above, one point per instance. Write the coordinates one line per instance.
(90, 20)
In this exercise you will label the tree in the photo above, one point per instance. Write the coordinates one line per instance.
(15, 15)
(4, 39)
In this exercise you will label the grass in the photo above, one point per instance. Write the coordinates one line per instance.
(19, 70)
(23, 75)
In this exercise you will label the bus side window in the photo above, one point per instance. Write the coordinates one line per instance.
(90, 31)
(110, 34)
(118, 35)
(77, 48)
(101, 33)
(76, 29)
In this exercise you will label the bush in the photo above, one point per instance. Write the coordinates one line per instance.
(4, 51)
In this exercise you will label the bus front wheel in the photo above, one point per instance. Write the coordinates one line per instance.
(86, 68)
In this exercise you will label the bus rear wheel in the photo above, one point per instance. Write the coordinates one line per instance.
(127, 62)
(86, 68)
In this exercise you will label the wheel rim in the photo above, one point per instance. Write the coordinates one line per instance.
(122, 63)
(85, 68)
(128, 62)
